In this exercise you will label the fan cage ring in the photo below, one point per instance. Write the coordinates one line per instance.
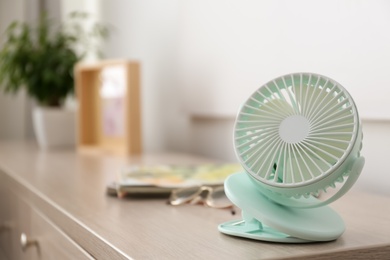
(324, 124)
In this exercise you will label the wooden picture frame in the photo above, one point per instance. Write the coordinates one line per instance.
(109, 113)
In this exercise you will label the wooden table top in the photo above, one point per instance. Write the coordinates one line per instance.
(71, 187)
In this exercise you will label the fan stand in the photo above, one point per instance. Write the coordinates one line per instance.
(266, 220)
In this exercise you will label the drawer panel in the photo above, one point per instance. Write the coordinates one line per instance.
(17, 217)
(7, 223)
(52, 242)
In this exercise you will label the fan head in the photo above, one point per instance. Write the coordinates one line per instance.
(298, 134)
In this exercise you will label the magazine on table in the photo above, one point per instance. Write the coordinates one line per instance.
(162, 179)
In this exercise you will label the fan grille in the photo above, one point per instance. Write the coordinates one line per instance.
(295, 130)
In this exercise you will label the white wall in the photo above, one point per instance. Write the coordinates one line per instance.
(15, 117)
(11, 125)
(229, 48)
(147, 31)
(376, 149)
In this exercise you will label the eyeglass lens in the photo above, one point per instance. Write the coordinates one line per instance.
(184, 195)
(218, 198)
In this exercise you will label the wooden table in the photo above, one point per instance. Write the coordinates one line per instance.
(67, 190)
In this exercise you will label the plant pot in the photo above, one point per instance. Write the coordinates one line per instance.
(54, 127)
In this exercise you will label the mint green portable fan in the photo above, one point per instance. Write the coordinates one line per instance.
(296, 136)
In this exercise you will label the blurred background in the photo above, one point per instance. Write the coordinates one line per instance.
(201, 59)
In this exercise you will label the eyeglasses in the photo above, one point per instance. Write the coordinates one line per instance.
(214, 197)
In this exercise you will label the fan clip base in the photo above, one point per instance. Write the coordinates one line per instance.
(263, 219)
(255, 229)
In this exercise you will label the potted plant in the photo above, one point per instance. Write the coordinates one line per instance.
(40, 59)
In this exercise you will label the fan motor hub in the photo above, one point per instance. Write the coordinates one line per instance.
(294, 129)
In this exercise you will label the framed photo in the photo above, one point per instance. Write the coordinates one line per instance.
(109, 116)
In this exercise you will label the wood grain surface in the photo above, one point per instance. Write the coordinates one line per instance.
(69, 188)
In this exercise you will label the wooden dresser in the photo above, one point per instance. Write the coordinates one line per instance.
(57, 202)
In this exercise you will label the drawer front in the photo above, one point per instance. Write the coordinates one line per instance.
(52, 242)
(7, 222)
(46, 240)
